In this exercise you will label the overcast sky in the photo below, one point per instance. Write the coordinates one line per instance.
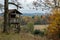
(27, 6)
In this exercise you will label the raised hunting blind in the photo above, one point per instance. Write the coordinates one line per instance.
(14, 18)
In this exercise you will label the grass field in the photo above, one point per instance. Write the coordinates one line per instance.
(40, 27)
(23, 35)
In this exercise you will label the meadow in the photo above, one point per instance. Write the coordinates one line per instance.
(23, 35)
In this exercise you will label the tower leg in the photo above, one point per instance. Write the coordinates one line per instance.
(18, 28)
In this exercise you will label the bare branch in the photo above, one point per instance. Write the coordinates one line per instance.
(14, 4)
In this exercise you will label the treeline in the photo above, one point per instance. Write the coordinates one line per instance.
(37, 20)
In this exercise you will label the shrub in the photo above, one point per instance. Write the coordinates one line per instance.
(30, 26)
(24, 29)
(38, 32)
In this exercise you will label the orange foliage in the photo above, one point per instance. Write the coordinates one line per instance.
(54, 27)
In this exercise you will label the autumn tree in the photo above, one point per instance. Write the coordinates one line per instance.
(54, 26)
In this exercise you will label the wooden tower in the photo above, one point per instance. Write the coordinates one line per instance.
(14, 18)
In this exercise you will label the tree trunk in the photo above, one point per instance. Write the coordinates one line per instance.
(5, 16)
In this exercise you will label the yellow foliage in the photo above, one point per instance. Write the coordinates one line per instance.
(54, 27)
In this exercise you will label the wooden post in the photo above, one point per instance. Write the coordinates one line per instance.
(18, 26)
(19, 22)
(9, 22)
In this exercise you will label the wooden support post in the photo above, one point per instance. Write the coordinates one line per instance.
(18, 28)
(20, 21)
(18, 25)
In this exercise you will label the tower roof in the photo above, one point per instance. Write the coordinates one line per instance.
(14, 11)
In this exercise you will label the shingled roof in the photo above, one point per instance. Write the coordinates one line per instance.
(14, 11)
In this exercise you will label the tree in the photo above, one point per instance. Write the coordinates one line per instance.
(54, 27)
(5, 16)
(37, 19)
(30, 26)
(47, 4)
(14, 4)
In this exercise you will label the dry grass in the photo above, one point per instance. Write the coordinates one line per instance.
(15, 37)
(40, 27)
(21, 36)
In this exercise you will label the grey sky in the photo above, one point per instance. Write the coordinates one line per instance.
(27, 7)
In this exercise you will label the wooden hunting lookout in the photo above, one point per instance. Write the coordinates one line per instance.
(14, 18)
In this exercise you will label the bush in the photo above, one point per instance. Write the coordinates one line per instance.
(38, 32)
(30, 26)
(24, 29)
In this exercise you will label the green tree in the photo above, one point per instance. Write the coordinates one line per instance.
(30, 26)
